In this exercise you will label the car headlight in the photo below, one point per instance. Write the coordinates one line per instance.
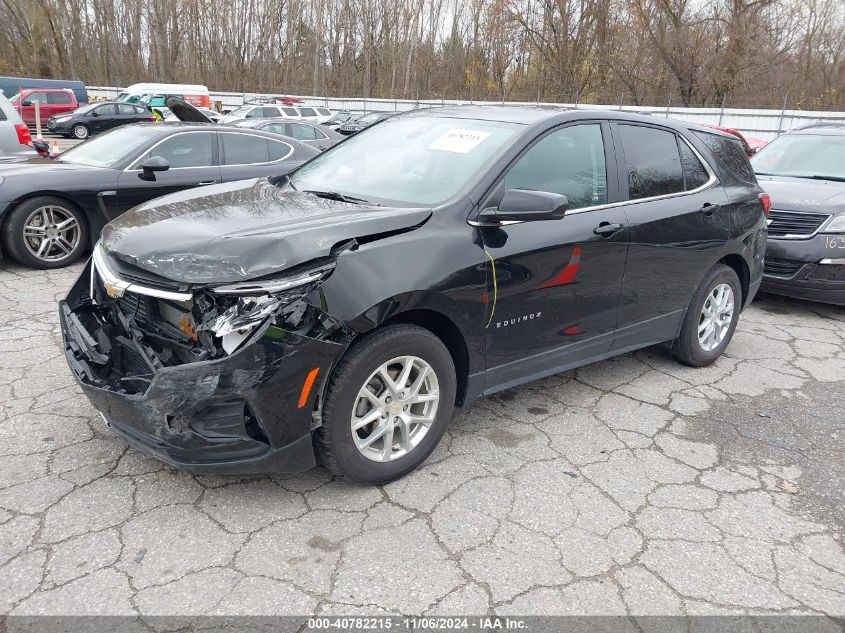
(836, 225)
(256, 301)
(59, 119)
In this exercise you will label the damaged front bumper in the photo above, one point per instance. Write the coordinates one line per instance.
(246, 412)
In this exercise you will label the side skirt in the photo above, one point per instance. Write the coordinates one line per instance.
(657, 330)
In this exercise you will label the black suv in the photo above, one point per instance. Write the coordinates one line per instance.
(340, 314)
(804, 171)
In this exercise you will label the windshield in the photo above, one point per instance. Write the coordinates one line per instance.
(108, 149)
(803, 156)
(16, 97)
(123, 96)
(369, 118)
(418, 160)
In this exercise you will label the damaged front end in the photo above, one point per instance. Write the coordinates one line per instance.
(210, 378)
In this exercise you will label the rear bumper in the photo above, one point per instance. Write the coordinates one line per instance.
(239, 414)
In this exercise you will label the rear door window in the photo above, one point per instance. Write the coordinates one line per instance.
(126, 109)
(279, 150)
(307, 112)
(290, 112)
(695, 175)
(59, 98)
(244, 149)
(653, 162)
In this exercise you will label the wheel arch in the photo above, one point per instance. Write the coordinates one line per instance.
(14, 204)
(740, 267)
(449, 333)
(435, 322)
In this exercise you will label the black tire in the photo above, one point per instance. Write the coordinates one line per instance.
(80, 131)
(687, 348)
(337, 447)
(15, 243)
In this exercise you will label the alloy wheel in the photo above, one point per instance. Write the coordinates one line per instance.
(395, 408)
(80, 131)
(51, 233)
(716, 316)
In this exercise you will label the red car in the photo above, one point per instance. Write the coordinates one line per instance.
(750, 144)
(52, 103)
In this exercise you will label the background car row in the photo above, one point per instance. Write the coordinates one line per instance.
(803, 171)
(52, 209)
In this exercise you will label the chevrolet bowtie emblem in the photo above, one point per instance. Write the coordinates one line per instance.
(113, 290)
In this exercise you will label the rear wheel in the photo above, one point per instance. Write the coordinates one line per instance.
(45, 232)
(711, 318)
(387, 405)
(80, 131)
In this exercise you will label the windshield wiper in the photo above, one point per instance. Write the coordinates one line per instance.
(334, 195)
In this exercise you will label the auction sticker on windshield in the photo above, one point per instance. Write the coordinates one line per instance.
(459, 141)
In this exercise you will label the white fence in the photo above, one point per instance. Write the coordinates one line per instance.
(764, 124)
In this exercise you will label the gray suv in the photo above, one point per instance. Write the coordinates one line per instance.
(14, 135)
(804, 173)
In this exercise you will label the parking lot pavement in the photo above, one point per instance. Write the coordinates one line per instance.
(631, 486)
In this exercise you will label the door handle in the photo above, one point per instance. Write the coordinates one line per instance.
(708, 209)
(606, 229)
(205, 182)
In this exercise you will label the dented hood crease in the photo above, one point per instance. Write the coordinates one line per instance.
(243, 230)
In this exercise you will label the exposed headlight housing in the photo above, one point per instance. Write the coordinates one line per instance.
(835, 225)
(256, 301)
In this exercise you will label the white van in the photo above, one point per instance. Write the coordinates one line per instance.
(157, 94)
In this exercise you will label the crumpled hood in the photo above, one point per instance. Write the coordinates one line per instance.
(804, 194)
(242, 230)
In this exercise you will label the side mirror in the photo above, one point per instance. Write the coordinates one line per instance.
(522, 205)
(27, 102)
(94, 113)
(152, 165)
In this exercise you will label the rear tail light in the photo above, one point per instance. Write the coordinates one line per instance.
(152, 118)
(767, 203)
(24, 138)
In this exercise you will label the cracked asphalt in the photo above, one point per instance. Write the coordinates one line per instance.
(634, 486)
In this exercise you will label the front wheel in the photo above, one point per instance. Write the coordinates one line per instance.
(45, 232)
(80, 131)
(387, 405)
(711, 318)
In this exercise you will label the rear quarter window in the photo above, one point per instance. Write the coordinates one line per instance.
(731, 163)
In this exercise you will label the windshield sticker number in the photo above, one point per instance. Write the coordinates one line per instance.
(459, 141)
